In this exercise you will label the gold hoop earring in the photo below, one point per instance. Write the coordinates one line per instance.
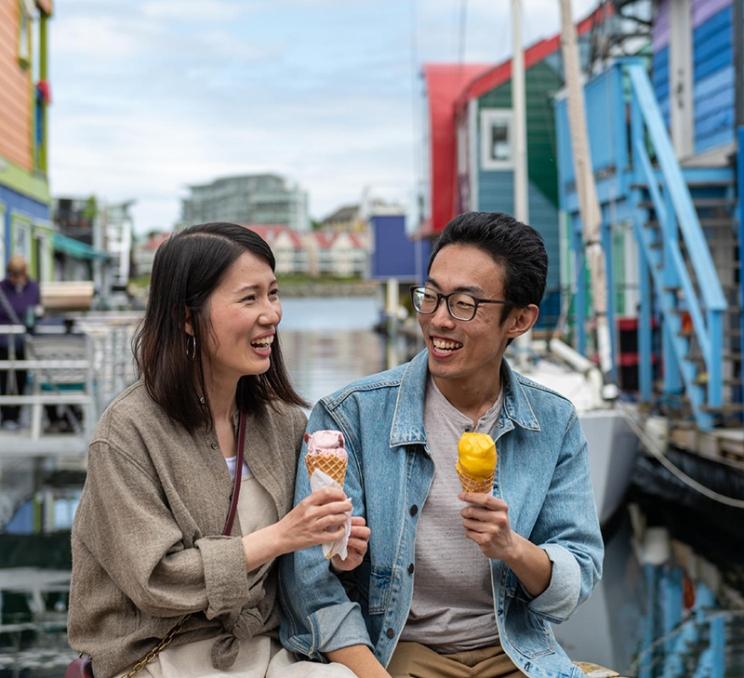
(191, 347)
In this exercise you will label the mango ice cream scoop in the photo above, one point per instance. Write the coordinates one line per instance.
(476, 462)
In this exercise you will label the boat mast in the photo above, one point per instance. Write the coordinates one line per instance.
(519, 127)
(589, 209)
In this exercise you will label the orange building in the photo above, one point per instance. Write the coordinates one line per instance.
(25, 224)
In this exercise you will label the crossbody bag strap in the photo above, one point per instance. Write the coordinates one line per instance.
(238, 478)
(226, 531)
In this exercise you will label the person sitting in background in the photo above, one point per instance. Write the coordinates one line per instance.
(150, 561)
(20, 303)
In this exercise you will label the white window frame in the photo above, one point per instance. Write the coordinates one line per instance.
(25, 32)
(488, 118)
(21, 224)
(45, 264)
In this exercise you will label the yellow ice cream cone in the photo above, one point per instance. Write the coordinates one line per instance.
(476, 462)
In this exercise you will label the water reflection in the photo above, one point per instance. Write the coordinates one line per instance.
(321, 362)
(605, 629)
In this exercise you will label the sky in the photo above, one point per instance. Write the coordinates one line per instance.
(151, 96)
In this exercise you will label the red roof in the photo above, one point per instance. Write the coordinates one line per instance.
(270, 232)
(534, 54)
(356, 241)
(324, 239)
(449, 88)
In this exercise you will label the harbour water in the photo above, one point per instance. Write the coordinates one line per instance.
(651, 616)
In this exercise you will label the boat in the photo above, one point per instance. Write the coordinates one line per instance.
(611, 439)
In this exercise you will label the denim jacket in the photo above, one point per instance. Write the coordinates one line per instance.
(542, 475)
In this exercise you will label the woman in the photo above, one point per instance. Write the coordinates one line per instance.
(149, 557)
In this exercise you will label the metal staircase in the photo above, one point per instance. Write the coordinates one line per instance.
(687, 234)
(689, 240)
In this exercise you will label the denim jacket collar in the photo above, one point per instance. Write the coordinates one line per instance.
(408, 420)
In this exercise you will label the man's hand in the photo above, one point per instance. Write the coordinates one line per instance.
(357, 547)
(486, 522)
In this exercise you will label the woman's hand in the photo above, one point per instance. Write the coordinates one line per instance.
(317, 519)
(357, 547)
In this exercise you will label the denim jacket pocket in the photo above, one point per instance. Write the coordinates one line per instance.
(379, 590)
(529, 634)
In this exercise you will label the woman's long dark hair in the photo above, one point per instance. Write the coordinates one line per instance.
(186, 270)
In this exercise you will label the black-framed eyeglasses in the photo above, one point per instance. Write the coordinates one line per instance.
(461, 305)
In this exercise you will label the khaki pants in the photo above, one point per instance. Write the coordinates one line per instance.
(413, 660)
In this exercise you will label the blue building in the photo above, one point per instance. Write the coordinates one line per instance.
(666, 132)
(471, 144)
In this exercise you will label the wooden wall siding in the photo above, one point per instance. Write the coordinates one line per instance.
(607, 129)
(496, 188)
(714, 78)
(702, 10)
(660, 30)
(660, 80)
(15, 92)
(541, 83)
(496, 194)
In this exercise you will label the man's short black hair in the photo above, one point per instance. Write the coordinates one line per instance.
(519, 248)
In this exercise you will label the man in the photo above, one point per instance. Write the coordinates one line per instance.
(19, 299)
(456, 584)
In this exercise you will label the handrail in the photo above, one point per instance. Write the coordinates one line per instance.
(676, 214)
(688, 222)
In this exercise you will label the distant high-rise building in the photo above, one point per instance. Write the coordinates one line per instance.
(247, 199)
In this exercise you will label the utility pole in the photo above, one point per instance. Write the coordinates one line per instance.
(519, 127)
(591, 217)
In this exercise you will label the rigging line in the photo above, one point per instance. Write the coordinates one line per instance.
(652, 447)
(463, 35)
(418, 129)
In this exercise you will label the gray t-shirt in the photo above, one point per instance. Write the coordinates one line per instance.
(452, 606)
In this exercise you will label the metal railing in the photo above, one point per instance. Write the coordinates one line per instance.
(81, 372)
(699, 294)
(60, 373)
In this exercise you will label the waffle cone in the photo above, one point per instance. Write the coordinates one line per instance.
(476, 485)
(332, 465)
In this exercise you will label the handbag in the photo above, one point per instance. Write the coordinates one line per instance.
(82, 667)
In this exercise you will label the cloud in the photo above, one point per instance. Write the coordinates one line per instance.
(154, 95)
(100, 38)
(214, 11)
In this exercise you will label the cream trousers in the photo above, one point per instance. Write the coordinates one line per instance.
(261, 657)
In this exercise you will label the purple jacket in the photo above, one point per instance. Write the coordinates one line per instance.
(20, 302)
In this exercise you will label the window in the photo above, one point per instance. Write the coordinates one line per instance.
(21, 237)
(27, 11)
(496, 139)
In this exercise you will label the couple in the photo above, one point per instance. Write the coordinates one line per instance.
(436, 582)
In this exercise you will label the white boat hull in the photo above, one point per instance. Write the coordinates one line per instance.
(612, 453)
(613, 445)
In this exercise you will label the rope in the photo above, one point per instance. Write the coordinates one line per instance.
(651, 446)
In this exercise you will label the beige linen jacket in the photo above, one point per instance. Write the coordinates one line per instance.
(147, 544)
